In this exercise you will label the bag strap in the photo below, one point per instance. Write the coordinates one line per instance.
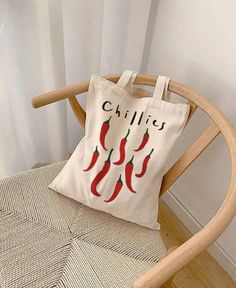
(161, 91)
(127, 78)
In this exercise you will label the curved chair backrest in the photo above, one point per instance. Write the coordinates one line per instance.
(220, 124)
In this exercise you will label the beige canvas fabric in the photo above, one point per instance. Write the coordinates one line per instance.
(118, 165)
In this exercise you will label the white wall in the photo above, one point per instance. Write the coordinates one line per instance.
(194, 43)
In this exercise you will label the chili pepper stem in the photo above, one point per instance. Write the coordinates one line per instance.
(109, 156)
(120, 180)
(96, 150)
(127, 134)
(149, 155)
(131, 160)
(146, 132)
(108, 120)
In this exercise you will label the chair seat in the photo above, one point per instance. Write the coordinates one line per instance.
(48, 240)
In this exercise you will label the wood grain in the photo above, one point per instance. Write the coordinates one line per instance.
(203, 271)
(179, 258)
(78, 110)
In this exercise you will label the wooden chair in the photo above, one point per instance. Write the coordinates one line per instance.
(163, 271)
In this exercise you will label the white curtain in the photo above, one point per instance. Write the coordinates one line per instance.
(48, 44)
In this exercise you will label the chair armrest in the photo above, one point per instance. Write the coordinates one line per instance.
(66, 92)
(59, 94)
(75, 89)
(164, 270)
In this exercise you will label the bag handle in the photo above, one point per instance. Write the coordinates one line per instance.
(161, 91)
(127, 78)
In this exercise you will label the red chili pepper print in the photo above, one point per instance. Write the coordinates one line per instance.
(101, 175)
(144, 166)
(129, 167)
(93, 160)
(144, 141)
(118, 186)
(122, 149)
(103, 132)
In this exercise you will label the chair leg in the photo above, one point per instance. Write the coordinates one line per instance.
(170, 284)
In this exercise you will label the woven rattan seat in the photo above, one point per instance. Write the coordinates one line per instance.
(48, 240)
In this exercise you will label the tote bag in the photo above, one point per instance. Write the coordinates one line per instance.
(118, 165)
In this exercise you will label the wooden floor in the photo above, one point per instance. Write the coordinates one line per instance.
(202, 271)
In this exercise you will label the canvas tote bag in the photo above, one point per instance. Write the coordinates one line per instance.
(118, 165)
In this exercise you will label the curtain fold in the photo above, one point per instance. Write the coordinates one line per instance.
(48, 44)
